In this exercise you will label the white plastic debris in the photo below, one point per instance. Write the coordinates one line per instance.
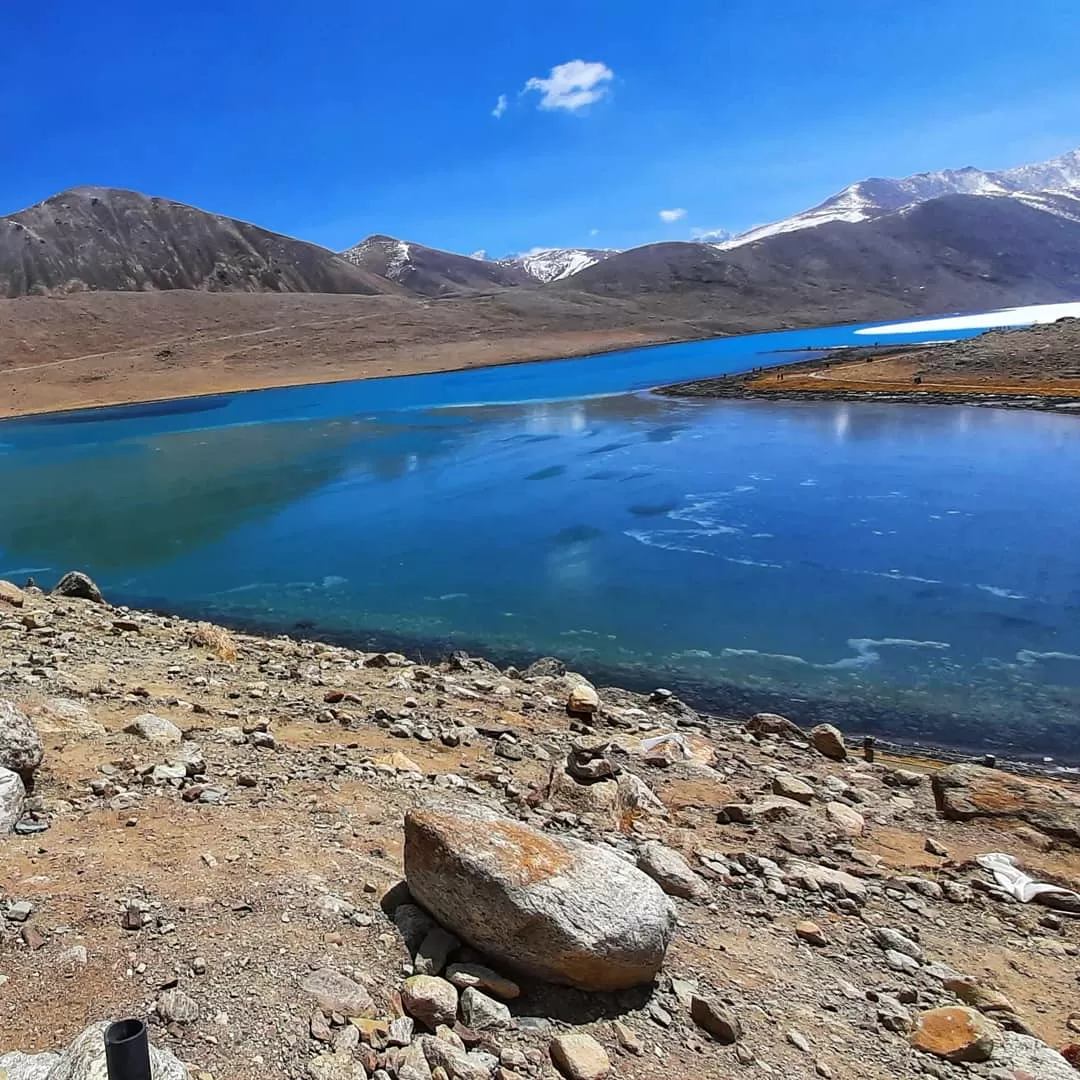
(674, 737)
(1014, 881)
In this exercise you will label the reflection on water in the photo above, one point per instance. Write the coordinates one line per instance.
(896, 568)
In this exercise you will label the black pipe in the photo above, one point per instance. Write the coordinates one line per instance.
(127, 1050)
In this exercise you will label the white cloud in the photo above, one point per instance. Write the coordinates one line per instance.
(573, 85)
(500, 106)
(672, 215)
(711, 236)
(594, 232)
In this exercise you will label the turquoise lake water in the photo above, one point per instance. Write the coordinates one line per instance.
(907, 570)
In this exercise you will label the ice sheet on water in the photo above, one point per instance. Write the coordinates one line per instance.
(987, 320)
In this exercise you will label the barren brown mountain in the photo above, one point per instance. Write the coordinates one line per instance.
(106, 238)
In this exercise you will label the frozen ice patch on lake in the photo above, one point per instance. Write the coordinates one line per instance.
(988, 320)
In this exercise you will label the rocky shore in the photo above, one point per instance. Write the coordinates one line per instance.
(1036, 367)
(295, 859)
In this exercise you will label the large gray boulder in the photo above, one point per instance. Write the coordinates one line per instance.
(21, 749)
(76, 583)
(12, 804)
(556, 908)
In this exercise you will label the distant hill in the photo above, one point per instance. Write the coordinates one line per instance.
(111, 239)
(867, 199)
(952, 253)
(554, 264)
(430, 272)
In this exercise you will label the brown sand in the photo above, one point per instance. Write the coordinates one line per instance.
(112, 348)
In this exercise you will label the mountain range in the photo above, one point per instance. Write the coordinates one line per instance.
(941, 241)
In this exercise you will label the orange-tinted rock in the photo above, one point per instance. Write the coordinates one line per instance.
(559, 909)
(955, 1033)
(966, 792)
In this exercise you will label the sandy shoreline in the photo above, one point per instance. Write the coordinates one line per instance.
(448, 358)
(101, 349)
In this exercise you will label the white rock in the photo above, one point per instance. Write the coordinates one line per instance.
(155, 730)
(21, 749)
(19, 1066)
(84, 1059)
(671, 871)
(12, 800)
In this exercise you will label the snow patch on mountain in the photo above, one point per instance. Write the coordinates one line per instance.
(554, 264)
(395, 253)
(1052, 186)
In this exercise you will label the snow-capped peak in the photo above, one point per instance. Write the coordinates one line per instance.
(876, 196)
(395, 253)
(554, 264)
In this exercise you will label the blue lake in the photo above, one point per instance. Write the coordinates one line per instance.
(907, 570)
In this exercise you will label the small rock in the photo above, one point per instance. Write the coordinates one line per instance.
(483, 978)
(336, 1066)
(434, 950)
(546, 666)
(156, 730)
(132, 919)
(848, 820)
(764, 723)
(345, 1039)
(628, 1038)
(892, 1015)
(12, 800)
(583, 699)
(1022, 1057)
(901, 962)
(798, 1040)
(176, 1007)
(19, 911)
(400, 1032)
(932, 847)
(828, 741)
(791, 787)
(579, 1056)
(430, 1000)
(955, 1033)
(413, 1065)
(319, 1026)
(811, 933)
(889, 938)
(482, 1013)
(336, 993)
(21, 748)
(671, 871)
(710, 1016)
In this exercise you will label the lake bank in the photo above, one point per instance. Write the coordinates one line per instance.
(1036, 367)
(108, 381)
(228, 808)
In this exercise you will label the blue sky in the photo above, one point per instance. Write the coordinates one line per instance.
(332, 120)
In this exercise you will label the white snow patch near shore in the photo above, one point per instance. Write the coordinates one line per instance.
(987, 320)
